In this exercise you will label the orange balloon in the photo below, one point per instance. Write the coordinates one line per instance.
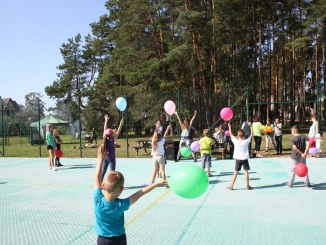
(269, 129)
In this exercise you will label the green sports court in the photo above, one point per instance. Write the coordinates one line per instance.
(40, 206)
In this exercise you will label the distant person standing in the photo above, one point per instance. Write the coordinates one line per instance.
(50, 145)
(270, 135)
(58, 143)
(300, 147)
(258, 131)
(278, 135)
(313, 131)
(225, 127)
(94, 136)
(159, 127)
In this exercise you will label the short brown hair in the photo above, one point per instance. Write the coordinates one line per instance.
(206, 132)
(296, 129)
(314, 117)
(114, 181)
(241, 133)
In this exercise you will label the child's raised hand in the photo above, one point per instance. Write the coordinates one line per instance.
(100, 152)
(106, 117)
(176, 113)
(195, 112)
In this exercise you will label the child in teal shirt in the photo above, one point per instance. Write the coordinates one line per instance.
(109, 209)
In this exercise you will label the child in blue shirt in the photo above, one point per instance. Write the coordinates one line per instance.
(109, 209)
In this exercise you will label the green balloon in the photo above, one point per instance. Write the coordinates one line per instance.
(185, 151)
(189, 181)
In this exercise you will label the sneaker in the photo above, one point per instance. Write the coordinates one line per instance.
(176, 160)
(249, 187)
(166, 187)
(288, 185)
(308, 185)
(54, 169)
(258, 155)
(266, 150)
(195, 159)
(59, 164)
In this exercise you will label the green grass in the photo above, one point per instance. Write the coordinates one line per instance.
(19, 147)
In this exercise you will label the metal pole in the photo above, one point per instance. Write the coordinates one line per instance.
(80, 139)
(127, 129)
(3, 130)
(179, 129)
(39, 128)
(247, 103)
(318, 105)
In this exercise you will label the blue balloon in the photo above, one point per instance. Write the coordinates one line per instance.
(121, 103)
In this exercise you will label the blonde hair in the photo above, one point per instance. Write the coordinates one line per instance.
(156, 138)
(113, 182)
(206, 132)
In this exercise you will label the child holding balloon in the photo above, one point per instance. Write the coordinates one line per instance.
(158, 154)
(185, 130)
(241, 154)
(300, 147)
(109, 209)
(269, 135)
(58, 142)
(109, 137)
(206, 144)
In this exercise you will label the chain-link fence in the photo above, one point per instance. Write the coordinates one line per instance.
(141, 115)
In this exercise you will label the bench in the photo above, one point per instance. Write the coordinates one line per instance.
(222, 150)
(137, 148)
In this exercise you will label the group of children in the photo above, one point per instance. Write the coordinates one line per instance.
(109, 208)
(53, 142)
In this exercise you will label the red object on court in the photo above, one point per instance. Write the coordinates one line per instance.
(58, 153)
(301, 169)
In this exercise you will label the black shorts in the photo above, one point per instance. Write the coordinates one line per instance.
(49, 147)
(239, 163)
(115, 240)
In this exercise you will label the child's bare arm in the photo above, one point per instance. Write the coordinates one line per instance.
(193, 118)
(98, 170)
(134, 197)
(119, 129)
(176, 113)
(166, 131)
(230, 129)
(106, 119)
(304, 154)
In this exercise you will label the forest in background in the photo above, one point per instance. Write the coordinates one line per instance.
(143, 49)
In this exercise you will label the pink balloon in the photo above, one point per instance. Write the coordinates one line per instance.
(195, 146)
(227, 133)
(169, 107)
(226, 113)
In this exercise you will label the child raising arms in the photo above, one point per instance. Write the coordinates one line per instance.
(241, 154)
(109, 209)
(158, 154)
(109, 137)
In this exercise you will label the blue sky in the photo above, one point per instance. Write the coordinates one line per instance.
(31, 36)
